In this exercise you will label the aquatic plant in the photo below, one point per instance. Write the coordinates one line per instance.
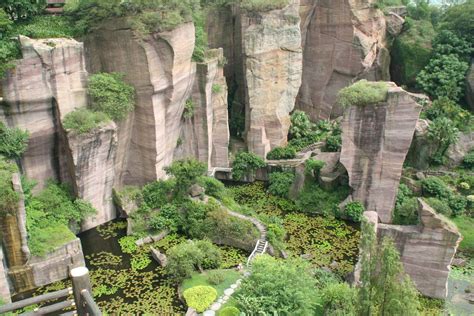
(103, 259)
(111, 229)
(127, 244)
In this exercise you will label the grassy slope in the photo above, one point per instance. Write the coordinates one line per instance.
(201, 279)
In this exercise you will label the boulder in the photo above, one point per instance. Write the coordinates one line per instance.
(394, 24)
(421, 149)
(196, 190)
(375, 141)
(159, 257)
(343, 41)
(458, 150)
(426, 250)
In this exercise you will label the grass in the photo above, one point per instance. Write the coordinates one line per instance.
(83, 120)
(362, 93)
(201, 279)
(465, 225)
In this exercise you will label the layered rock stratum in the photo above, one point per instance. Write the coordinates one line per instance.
(375, 142)
(343, 41)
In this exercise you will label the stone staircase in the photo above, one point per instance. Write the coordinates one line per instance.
(260, 248)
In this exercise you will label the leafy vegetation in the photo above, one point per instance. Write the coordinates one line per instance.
(226, 278)
(111, 95)
(280, 183)
(13, 141)
(406, 207)
(281, 286)
(468, 160)
(8, 196)
(83, 120)
(46, 26)
(262, 5)
(354, 210)
(279, 153)
(200, 297)
(22, 9)
(444, 107)
(442, 133)
(313, 166)
(363, 93)
(246, 163)
(49, 214)
(314, 199)
(185, 172)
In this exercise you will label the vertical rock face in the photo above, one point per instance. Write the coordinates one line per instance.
(375, 141)
(159, 67)
(205, 135)
(92, 163)
(50, 76)
(4, 288)
(426, 250)
(272, 61)
(343, 40)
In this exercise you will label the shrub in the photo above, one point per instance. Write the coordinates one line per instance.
(46, 26)
(313, 166)
(212, 186)
(216, 88)
(406, 213)
(8, 196)
(188, 109)
(83, 121)
(111, 95)
(446, 43)
(444, 77)
(458, 18)
(22, 9)
(333, 143)
(468, 160)
(158, 193)
(439, 206)
(300, 126)
(262, 5)
(444, 107)
(315, 200)
(185, 172)
(167, 218)
(354, 211)
(13, 141)
(246, 163)
(229, 311)
(434, 186)
(280, 183)
(215, 277)
(279, 153)
(339, 299)
(458, 204)
(443, 133)
(363, 93)
(200, 297)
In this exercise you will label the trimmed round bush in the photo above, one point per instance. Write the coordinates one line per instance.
(433, 186)
(279, 153)
(200, 297)
(229, 311)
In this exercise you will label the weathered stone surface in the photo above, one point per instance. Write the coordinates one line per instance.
(92, 170)
(375, 141)
(421, 148)
(394, 24)
(159, 257)
(48, 80)
(272, 63)
(160, 69)
(205, 135)
(191, 312)
(343, 40)
(57, 264)
(426, 250)
(5, 294)
(458, 150)
(470, 87)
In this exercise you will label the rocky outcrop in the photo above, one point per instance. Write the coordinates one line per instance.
(458, 150)
(343, 41)
(470, 86)
(159, 67)
(48, 80)
(264, 69)
(426, 250)
(421, 149)
(92, 163)
(272, 69)
(205, 132)
(375, 142)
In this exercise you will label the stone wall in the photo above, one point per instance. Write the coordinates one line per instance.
(343, 41)
(375, 142)
(426, 250)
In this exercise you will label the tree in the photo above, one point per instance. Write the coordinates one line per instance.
(458, 18)
(443, 133)
(280, 183)
(301, 126)
(385, 288)
(447, 42)
(279, 287)
(186, 173)
(13, 141)
(5, 23)
(444, 76)
(22, 9)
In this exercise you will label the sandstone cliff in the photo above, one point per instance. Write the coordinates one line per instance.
(48, 80)
(91, 160)
(426, 250)
(264, 69)
(375, 142)
(343, 41)
(205, 131)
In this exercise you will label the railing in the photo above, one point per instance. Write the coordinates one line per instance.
(254, 252)
(83, 301)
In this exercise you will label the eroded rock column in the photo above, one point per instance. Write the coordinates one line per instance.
(343, 40)
(375, 142)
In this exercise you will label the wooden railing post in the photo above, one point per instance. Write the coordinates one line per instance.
(80, 282)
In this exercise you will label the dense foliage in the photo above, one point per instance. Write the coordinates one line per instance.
(442, 133)
(200, 297)
(185, 172)
(8, 197)
(279, 286)
(354, 210)
(22, 9)
(49, 215)
(111, 95)
(13, 141)
(83, 120)
(246, 163)
(279, 153)
(363, 93)
(280, 183)
(406, 207)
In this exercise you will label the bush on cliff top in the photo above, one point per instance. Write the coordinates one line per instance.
(363, 93)
(13, 141)
(111, 95)
(263, 5)
(83, 120)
